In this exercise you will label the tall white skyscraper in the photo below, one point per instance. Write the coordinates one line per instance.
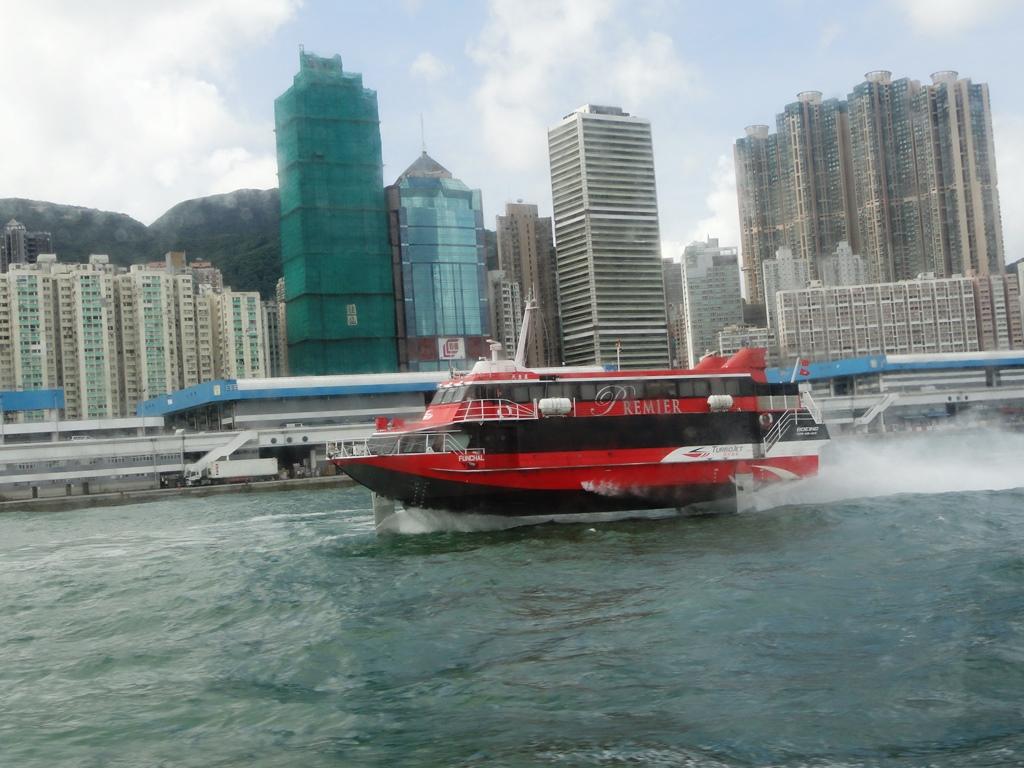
(607, 242)
(711, 290)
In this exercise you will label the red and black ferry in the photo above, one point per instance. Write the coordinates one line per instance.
(507, 440)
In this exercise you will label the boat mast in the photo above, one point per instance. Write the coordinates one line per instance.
(524, 332)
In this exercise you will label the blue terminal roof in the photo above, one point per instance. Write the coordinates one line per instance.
(31, 400)
(861, 366)
(230, 390)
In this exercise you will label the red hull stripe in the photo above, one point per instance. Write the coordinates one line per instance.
(513, 471)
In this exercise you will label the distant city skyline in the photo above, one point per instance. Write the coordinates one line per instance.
(112, 336)
(902, 171)
(193, 88)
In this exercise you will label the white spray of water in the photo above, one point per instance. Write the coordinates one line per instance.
(918, 462)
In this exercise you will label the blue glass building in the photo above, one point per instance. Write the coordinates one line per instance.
(439, 258)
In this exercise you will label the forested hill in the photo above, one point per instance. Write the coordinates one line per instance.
(237, 231)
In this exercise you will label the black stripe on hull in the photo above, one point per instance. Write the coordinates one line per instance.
(430, 493)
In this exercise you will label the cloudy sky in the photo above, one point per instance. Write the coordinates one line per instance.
(134, 105)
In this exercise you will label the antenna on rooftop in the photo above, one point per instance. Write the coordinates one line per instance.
(423, 136)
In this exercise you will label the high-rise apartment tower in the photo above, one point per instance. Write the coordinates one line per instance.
(526, 254)
(759, 190)
(903, 172)
(960, 211)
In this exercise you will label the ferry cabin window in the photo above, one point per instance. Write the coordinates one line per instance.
(520, 394)
(412, 444)
(777, 390)
(659, 389)
(558, 389)
(489, 392)
(382, 446)
(485, 392)
(449, 395)
(700, 388)
(526, 393)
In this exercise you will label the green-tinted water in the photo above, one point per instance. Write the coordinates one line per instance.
(278, 629)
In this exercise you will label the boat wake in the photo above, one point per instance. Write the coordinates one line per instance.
(414, 521)
(918, 463)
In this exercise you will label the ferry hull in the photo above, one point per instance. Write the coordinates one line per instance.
(505, 440)
(567, 490)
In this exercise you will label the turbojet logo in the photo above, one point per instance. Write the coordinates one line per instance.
(709, 453)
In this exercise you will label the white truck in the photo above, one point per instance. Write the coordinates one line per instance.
(226, 471)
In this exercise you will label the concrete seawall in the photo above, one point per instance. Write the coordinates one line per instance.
(60, 503)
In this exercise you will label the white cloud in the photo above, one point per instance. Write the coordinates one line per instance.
(672, 249)
(428, 67)
(132, 118)
(233, 168)
(723, 219)
(644, 70)
(829, 34)
(946, 17)
(542, 58)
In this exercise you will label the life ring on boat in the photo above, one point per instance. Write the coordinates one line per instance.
(765, 419)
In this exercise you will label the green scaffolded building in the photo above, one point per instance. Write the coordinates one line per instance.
(339, 288)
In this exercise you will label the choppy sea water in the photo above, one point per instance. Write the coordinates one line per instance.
(871, 617)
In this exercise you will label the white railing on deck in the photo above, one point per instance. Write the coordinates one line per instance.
(812, 407)
(777, 402)
(778, 429)
(495, 410)
(385, 444)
